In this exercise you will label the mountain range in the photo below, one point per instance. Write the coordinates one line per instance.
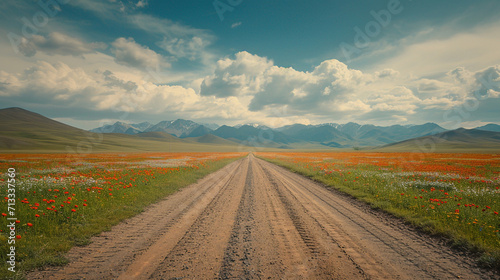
(24, 130)
(328, 134)
(180, 128)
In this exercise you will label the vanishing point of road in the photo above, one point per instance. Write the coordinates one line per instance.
(255, 220)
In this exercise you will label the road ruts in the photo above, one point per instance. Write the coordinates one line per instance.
(255, 220)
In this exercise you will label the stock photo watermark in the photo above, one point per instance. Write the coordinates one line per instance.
(11, 220)
(31, 27)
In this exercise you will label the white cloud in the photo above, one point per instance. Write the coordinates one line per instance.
(142, 4)
(241, 76)
(399, 99)
(282, 86)
(65, 87)
(236, 24)
(179, 40)
(128, 52)
(387, 73)
(439, 52)
(430, 85)
(51, 83)
(440, 103)
(481, 84)
(336, 91)
(356, 106)
(184, 47)
(57, 44)
(270, 85)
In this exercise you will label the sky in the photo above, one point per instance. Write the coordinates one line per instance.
(88, 62)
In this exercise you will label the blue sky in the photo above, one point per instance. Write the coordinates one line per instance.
(89, 62)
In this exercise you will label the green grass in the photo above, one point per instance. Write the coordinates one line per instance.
(429, 205)
(24, 131)
(52, 234)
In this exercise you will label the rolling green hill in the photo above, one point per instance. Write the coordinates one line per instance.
(461, 139)
(211, 139)
(25, 131)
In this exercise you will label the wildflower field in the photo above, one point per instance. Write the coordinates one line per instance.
(61, 200)
(452, 195)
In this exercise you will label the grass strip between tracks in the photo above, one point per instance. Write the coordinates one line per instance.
(432, 209)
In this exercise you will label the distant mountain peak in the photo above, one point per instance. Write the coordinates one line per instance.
(119, 127)
(490, 127)
(254, 125)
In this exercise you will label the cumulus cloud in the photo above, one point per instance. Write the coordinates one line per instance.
(57, 44)
(354, 106)
(270, 85)
(252, 88)
(461, 75)
(282, 86)
(113, 81)
(488, 82)
(62, 86)
(434, 88)
(427, 85)
(128, 52)
(334, 90)
(238, 77)
(184, 47)
(50, 83)
(440, 103)
(481, 84)
(399, 99)
(181, 41)
(387, 73)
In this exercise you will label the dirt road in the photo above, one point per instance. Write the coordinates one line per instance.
(255, 220)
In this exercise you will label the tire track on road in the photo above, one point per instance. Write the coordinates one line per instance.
(255, 220)
(238, 258)
(372, 243)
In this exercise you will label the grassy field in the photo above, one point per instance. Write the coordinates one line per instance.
(63, 200)
(455, 196)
